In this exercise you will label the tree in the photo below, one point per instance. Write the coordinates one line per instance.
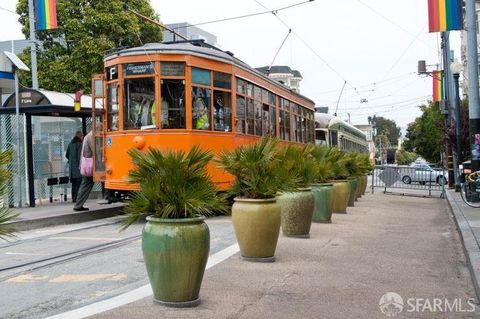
(384, 126)
(68, 56)
(426, 135)
(404, 157)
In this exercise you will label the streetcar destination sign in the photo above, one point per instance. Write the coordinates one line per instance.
(139, 68)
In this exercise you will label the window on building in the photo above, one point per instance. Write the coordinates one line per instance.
(173, 104)
(139, 103)
(201, 108)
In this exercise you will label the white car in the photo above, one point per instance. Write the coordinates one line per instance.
(423, 173)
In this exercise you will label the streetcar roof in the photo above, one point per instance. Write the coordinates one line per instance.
(323, 120)
(205, 51)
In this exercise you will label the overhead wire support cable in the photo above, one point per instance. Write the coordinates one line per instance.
(281, 45)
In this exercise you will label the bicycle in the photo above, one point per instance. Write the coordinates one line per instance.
(470, 190)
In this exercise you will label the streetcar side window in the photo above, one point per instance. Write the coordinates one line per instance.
(139, 103)
(222, 110)
(201, 108)
(250, 117)
(173, 103)
(241, 114)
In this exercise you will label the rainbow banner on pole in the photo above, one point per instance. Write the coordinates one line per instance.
(46, 14)
(445, 15)
(438, 94)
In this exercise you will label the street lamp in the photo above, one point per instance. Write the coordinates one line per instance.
(456, 68)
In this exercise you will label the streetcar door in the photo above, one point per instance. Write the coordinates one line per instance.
(98, 104)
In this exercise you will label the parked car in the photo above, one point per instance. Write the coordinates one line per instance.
(423, 173)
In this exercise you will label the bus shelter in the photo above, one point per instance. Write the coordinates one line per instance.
(47, 123)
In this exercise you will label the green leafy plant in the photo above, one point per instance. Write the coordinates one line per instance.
(352, 164)
(337, 159)
(299, 162)
(324, 170)
(6, 216)
(172, 185)
(364, 164)
(257, 170)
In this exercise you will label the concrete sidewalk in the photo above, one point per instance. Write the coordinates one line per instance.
(406, 245)
(468, 223)
(62, 213)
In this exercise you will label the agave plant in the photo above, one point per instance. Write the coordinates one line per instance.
(299, 163)
(172, 185)
(6, 216)
(257, 170)
(324, 171)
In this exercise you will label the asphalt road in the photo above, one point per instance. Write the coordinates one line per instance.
(53, 270)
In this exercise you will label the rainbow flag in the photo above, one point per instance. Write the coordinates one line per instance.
(445, 15)
(46, 14)
(437, 86)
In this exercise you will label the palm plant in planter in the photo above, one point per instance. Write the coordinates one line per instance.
(259, 176)
(365, 167)
(6, 216)
(341, 186)
(321, 188)
(352, 166)
(298, 204)
(175, 193)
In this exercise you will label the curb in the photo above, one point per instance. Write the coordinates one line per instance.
(70, 218)
(469, 242)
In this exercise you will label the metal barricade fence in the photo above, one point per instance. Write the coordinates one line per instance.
(409, 180)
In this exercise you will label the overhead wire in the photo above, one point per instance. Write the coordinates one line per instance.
(245, 15)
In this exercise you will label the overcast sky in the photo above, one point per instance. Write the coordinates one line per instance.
(374, 45)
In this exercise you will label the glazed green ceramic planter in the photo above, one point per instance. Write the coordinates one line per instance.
(257, 225)
(324, 197)
(297, 211)
(353, 190)
(341, 191)
(365, 182)
(175, 253)
(358, 193)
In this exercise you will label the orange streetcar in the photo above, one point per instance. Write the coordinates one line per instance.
(176, 95)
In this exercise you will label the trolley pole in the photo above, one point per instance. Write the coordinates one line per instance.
(33, 44)
(473, 96)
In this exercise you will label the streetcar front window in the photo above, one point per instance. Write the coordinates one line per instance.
(173, 104)
(112, 107)
(139, 103)
(201, 108)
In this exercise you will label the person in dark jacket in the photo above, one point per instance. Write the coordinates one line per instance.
(74, 150)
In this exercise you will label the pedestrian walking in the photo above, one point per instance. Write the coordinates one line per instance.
(86, 170)
(73, 153)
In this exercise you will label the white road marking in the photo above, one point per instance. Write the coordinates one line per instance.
(24, 254)
(135, 294)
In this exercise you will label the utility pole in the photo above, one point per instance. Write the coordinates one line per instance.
(33, 44)
(473, 96)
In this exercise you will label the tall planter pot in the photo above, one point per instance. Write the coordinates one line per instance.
(341, 191)
(257, 225)
(365, 182)
(297, 211)
(358, 193)
(353, 190)
(175, 253)
(324, 198)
